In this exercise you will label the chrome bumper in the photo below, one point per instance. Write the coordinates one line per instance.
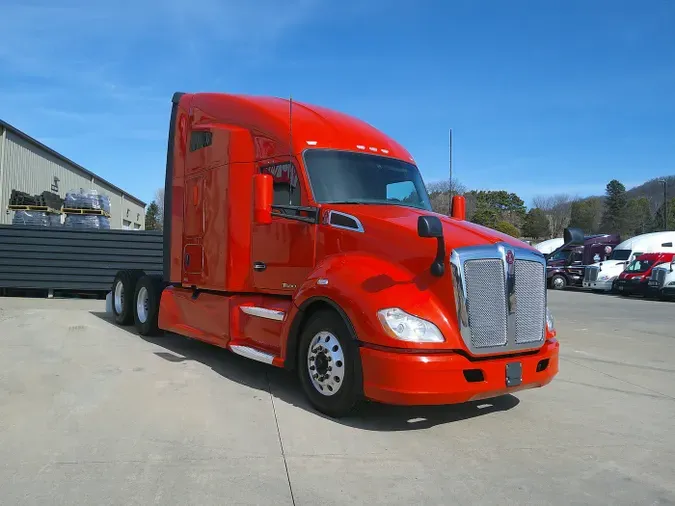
(605, 285)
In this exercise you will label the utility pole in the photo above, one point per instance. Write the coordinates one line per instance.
(450, 186)
(665, 203)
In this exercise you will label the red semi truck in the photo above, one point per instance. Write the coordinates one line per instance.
(303, 238)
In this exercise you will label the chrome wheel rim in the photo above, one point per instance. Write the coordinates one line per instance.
(558, 282)
(119, 297)
(142, 305)
(326, 363)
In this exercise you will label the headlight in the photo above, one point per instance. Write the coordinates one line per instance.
(406, 327)
(550, 322)
(672, 283)
(603, 278)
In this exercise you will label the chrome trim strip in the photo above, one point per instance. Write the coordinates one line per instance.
(330, 213)
(459, 257)
(252, 353)
(263, 312)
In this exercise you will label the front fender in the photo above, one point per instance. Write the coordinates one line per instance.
(362, 284)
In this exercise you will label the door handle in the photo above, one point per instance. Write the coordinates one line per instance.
(187, 259)
(259, 266)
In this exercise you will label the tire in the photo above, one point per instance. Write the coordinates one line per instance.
(558, 282)
(147, 295)
(123, 289)
(339, 394)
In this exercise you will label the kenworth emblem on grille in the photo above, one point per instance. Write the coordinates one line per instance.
(509, 257)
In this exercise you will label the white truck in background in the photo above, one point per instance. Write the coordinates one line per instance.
(662, 281)
(600, 276)
(549, 245)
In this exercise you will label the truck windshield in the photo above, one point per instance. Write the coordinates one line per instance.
(359, 178)
(640, 265)
(620, 254)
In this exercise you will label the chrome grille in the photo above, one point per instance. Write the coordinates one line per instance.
(485, 302)
(531, 301)
(591, 274)
(500, 295)
(659, 275)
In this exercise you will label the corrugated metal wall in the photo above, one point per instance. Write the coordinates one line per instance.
(60, 259)
(28, 168)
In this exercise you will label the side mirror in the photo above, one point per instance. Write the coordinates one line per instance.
(431, 226)
(459, 207)
(573, 237)
(671, 265)
(263, 195)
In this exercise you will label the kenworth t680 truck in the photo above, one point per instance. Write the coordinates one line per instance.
(304, 238)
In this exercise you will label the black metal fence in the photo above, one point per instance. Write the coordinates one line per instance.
(74, 259)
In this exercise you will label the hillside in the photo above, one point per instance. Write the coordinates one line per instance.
(634, 211)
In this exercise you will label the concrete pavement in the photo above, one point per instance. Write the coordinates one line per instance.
(91, 413)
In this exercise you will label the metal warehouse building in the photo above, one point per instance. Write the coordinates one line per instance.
(29, 166)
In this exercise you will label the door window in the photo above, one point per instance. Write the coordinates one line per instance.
(286, 184)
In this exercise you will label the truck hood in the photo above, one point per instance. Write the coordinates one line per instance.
(610, 265)
(457, 233)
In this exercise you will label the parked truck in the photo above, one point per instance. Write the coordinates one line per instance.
(304, 238)
(661, 282)
(602, 276)
(635, 278)
(565, 266)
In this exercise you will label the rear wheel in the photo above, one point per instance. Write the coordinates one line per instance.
(329, 365)
(123, 289)
(146, 305)
(558, 282)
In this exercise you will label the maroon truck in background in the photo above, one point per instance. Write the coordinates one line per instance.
(565, 266)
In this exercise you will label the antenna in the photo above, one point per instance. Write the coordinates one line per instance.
(290, 148)
(450, 186)
(290, 127)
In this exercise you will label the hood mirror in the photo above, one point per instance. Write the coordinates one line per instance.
(431, 226)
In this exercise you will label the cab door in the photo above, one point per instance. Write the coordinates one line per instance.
(282, 252)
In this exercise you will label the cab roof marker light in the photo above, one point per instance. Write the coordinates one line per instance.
(385, 151)
(360, 146)
(311, 143)
(374, 150)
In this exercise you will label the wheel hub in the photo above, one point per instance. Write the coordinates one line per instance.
(325, 363)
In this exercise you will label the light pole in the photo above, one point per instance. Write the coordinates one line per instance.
(665, 203)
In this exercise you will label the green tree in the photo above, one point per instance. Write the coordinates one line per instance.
(536, 224)
(639, 216)
(615, 218)
(495, 206)
(586, 215)
(657, 221)
(151, 216)
(507, 228)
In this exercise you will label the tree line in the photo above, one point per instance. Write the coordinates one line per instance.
(628, 213)
(619, 211)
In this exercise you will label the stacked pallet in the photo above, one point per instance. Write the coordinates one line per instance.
(80, 209)
(86, 209)
(42, 210)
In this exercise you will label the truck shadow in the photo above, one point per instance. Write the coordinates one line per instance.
(284, 386)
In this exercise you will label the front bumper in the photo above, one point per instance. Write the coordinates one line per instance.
(605, 285)
(630, 286)
(403, 378)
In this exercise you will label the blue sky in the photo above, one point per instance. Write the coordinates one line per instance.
(542, 97)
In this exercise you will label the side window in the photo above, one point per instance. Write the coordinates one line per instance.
(286, 184)
(199, 140)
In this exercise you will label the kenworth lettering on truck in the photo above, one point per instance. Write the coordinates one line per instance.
(303, 238)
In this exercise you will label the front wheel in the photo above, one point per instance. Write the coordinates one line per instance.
(329, 365)
(558, 282)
